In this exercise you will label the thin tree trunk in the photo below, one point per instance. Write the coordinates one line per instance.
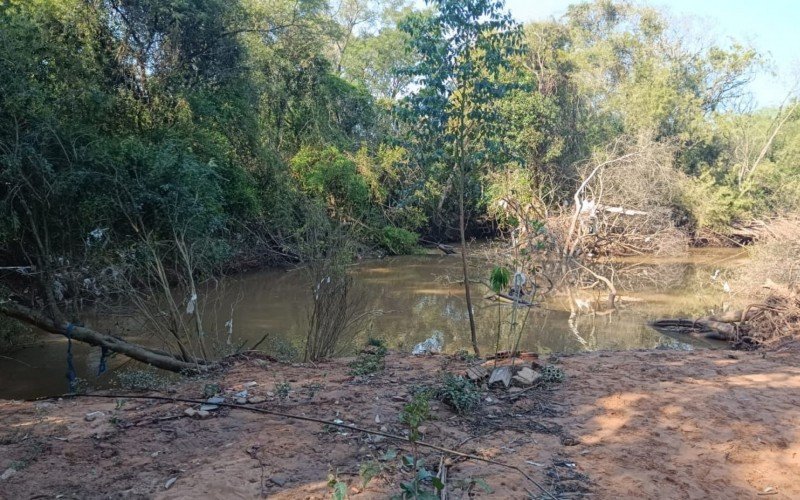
(462, 229)
(159, 359)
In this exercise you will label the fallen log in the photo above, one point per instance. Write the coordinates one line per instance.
(503, 297)
(709, 328)
(159, 359)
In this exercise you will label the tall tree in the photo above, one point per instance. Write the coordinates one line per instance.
(462, 48)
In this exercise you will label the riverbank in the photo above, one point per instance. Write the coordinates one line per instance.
(623, 424)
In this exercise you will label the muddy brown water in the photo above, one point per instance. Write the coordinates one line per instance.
(417, 296)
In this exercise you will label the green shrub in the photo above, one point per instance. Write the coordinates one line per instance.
(398, 241)
(458, 393)
(370, 360)
(142, 380)
(330, 176)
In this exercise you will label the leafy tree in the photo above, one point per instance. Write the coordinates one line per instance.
(463, 47)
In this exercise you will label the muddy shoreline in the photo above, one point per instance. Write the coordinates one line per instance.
(622, 425)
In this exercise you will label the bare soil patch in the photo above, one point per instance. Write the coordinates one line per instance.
(647, 424)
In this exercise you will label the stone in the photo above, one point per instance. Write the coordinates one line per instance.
(422, 429)
(384, 428)
(526, 376)
(377, 419)
(254, 400)
(432, 345)
(241, 401)
(278, 480)
(203, 414)
(250, 384)
(190, 412)
(170, 482)
(91, 417)
(567, 440)
(7, 474)
(500, 376)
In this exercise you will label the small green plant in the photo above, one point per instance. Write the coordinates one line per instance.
(370, 360)
(468, 483)
(211, 390)
(17, 465)
(282, 390)
(418, 487)
(283, 350)
(499, 279)
(465, 355)
(141, 380)
(458, 393)
(552, 374)
(368, 470)
(415, 413)
(339, 487)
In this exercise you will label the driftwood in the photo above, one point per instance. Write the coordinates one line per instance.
(154, 357)
(725, 326)
(447, 249)
(504, 297)
(709, 329)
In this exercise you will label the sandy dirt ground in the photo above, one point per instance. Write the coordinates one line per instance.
(656, 424)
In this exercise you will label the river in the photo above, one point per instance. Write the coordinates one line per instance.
(413, 297)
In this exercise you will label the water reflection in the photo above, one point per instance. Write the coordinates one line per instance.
(414, 300)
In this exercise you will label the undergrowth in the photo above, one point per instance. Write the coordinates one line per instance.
(370, 360)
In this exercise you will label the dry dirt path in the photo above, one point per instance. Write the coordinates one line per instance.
(654, 424)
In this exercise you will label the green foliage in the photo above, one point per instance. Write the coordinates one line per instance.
(339, 488)
(417, 488)
(398, 241)
(415, 413)
(465, 355)
(332, 178)
(368, 470)
(14, 335)
(458, 393)
(370, 360)
(283, 350)
(142, 380)
(500, 278)
(282, 390)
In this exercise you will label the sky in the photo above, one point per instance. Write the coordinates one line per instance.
(771, 26)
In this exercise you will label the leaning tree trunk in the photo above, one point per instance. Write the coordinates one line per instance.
(462, 229)
(153, 357)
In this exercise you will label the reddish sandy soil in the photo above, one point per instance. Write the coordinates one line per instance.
(658, 424)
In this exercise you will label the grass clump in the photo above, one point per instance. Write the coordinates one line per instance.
(142, 380)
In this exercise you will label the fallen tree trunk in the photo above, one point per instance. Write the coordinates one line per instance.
(711, 329)
(156, 358)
